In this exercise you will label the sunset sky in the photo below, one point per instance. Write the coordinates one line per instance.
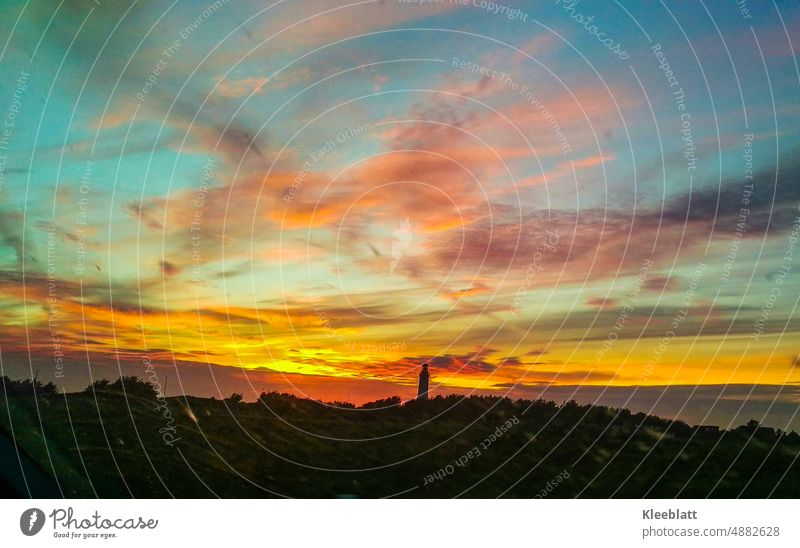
(319, 197)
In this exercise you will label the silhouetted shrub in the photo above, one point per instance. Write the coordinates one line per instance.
(340, 404)
(392, 401)
(26, 388)
(281, 402)
(130, 386)
(234, 399)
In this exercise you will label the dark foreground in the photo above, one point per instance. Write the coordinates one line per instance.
(108, 444)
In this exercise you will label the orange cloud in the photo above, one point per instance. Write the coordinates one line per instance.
(565, 170)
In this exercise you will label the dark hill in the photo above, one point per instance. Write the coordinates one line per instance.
(109, 443)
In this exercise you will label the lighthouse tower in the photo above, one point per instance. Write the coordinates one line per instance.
(422, 393)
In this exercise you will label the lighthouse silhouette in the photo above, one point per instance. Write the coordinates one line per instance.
(422, 392)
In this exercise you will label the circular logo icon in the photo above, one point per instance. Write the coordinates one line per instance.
(31, 521)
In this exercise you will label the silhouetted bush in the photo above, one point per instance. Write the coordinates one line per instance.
(340, 404)
(281, 403)
(130, 386)
(392, 401)
(26, 388)
(234, 399)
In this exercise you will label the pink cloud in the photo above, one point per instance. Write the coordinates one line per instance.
(240, 88)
